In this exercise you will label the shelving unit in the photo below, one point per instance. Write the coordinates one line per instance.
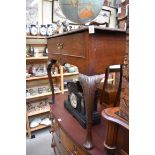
(40, 42)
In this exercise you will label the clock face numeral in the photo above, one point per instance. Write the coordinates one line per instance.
(73, 100)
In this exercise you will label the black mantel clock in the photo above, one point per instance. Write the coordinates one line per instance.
(75, 104)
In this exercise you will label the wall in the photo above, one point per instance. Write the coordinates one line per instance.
(39, 13)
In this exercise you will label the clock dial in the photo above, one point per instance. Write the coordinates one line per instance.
(33, 30)
(43, 31)
(73, 100)
(49, 31)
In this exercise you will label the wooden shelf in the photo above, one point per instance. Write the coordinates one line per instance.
(74, 73)
(41, 95)
(39, 127)
(36, 78)
(36, 37)
(40, 77)
(38, 112)
(37, 58)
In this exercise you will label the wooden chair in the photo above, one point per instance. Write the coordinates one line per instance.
(98, 24)
(108, 93)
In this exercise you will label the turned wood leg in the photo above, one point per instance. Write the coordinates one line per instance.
(52, 124)
(111, 137)
(51, 79)
(88, 84)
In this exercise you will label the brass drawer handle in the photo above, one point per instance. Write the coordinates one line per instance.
(60, 45)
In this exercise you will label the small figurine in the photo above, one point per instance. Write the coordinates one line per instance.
(44, 90)
(27, 93)
(27, 52)
(65, 25)
(34, 70)
(36, 52)
(32, 92)
(40, 90)
(31, 51)
(45, 51)
(59, 27)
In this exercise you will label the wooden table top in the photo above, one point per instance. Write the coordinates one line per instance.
(86, 29)
(110, 114)
(92, 53)
(74, 130)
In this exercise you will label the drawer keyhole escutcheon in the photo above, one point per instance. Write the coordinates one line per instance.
(60, 45)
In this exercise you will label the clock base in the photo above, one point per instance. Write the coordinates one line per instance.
(82, 118)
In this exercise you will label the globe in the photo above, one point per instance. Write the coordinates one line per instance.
(81, 11)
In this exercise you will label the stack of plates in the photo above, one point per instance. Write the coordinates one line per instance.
(36, 121)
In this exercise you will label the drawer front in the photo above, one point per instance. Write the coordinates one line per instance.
(56, 128)
(53, 50)
(70, 145)
(64, 144)
(72, 45)
(59, 146)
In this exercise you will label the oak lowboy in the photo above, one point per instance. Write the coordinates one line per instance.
(92, 53)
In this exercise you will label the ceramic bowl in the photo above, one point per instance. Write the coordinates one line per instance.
(71, 69)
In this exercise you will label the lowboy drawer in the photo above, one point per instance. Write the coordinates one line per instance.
(59, 146)
(69, 45)
(63, 142)
(70, 145)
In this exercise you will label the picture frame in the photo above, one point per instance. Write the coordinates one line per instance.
(113, 16)
(56, 12)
